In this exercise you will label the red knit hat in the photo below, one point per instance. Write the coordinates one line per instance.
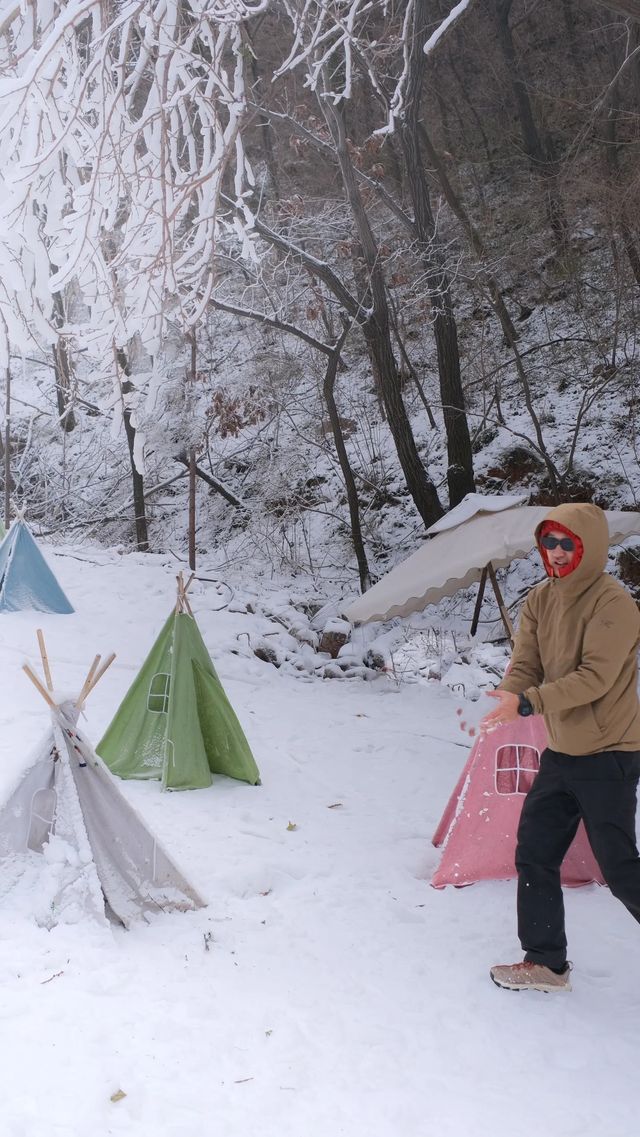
(563, 570)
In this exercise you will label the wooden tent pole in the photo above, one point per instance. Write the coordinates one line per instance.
(45, 658)
(479, 599)
(98, 675)
(182, 604)
(506, 619)
(94, 675)
(86, 686)
(43, 690)
(185, 600)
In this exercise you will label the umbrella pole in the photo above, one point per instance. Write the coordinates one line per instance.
(479, 599)
(506, 619)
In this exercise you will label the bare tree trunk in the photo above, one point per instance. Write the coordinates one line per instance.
(409, 365)
(569, 17)
(266, 130)
(142, 535)
(475, 240)
(530, 137)
(377, 332)
(634, 42)
(420, 487)
(328, 391)
(496, 300)
(62, 369)
(460, 476)
(620, 216)
(540, 152)
(445, 118)
(461, 81)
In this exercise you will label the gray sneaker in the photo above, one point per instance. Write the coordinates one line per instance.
(530, 977)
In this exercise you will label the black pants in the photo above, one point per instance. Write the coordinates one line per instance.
(600, 789)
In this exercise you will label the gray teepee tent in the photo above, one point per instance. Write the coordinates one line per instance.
(100, 856)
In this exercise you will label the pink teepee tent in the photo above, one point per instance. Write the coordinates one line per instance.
(478, 827)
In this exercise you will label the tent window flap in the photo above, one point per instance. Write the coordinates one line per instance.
(516, 768)
(158, 698)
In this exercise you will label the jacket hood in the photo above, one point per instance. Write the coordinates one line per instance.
(589, 523)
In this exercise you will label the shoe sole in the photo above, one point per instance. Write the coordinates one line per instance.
(530, 987)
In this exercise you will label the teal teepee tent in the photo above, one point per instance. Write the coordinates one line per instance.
(26, 581)
(175, 722)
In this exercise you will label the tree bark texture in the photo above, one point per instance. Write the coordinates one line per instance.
(328, 390)
(496, 300)
(375, 323)
(137, 481)
(621, 220)
(460, 477)
(62, 369)
(142, 535)
(541, 152)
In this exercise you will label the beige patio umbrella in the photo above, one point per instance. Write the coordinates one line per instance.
(480, 535)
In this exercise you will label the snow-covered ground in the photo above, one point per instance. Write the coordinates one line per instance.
(326, 990)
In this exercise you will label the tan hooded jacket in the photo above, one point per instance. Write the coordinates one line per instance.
(575, 655)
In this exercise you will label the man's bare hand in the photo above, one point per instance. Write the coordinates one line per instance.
(506, 711)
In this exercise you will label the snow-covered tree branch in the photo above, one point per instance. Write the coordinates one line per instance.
(119, 126)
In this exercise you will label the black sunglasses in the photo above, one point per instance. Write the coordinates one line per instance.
(564, 542)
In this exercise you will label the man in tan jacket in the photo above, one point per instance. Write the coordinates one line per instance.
(574, 662)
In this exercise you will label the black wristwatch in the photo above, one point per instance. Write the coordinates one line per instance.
(524, 706)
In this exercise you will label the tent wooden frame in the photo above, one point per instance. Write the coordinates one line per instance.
(182, 603)
(489, 571)
(93, 677)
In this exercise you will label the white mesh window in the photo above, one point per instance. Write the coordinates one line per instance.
(516, 767)
(158, 698)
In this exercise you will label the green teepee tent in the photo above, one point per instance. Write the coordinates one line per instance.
(175, 722)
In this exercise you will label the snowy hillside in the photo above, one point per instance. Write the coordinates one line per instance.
(327, 989)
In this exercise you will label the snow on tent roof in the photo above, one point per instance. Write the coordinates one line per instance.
(455, 559)
(472, 504)
(26, 581)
